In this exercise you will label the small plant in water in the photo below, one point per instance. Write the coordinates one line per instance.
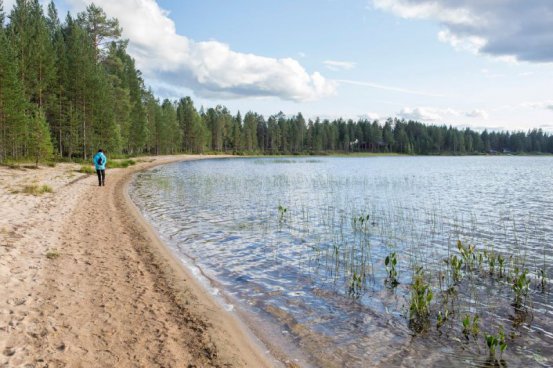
(501, 264)
(281, 213)
(496, 341)
(471, 328)
(467, 253)
(491, 262)
(442, 318)
(421, 296)
(355, 284)
(521, 286)
(391, 263)
(543, 279)
(456, 265)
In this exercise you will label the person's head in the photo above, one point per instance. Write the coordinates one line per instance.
(101, 150)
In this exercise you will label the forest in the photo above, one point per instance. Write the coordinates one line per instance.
(68, 88)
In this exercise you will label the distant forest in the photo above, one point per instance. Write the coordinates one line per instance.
(68, 88)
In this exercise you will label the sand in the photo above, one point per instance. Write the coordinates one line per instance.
(85, 282)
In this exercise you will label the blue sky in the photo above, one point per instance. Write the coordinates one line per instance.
(461, 62)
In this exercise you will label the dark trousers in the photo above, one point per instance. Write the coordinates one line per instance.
(101, 177)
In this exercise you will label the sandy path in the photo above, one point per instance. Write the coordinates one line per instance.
(114, 297)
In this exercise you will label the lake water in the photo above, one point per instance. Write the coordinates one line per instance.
(298, 245)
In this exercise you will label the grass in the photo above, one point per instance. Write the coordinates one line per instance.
(85, 169)
(53, 254)
(117, 164)
(36, 190)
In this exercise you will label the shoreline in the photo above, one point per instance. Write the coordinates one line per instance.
(102, 289)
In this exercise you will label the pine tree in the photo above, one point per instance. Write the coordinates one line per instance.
(34, 54)
(99, 27)
(40, 144)
(13, 105)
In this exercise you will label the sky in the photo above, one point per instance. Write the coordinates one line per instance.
(481, 64)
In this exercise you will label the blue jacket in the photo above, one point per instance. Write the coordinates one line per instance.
(104, 160)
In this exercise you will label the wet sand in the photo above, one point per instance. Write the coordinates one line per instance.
(85, 282)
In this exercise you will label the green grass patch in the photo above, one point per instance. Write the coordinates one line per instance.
(53, 254)
(116, 164)
(36, 189)
(85, 169)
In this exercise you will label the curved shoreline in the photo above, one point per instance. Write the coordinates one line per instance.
(88, 282)
(238, 338)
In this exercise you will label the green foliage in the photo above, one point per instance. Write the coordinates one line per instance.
(496, 341)
(442, 318)
(421, 297)
(467, 253)
(40, 144)
(471, 327)
(520, 286)
(456, 264)
(114, 164)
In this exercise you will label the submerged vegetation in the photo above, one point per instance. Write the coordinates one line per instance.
(439, 298)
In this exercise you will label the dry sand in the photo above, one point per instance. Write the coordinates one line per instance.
(85, 282)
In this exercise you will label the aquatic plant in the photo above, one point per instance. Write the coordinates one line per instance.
(521, 287)
(281, 213)
(391, 263)
(491, 262)
(496, 341)
(543, 279)
(442, 318)
(421, 296)
(471, 327)
(467, 253)
(355, 283)
(501, 264)
(456, 265)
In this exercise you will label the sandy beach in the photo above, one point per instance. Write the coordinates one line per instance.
(85, 282)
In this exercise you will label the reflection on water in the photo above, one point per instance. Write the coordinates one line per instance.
(301, 243)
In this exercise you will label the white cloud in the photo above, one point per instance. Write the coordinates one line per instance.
(511, 30)
(478, 114)
(472, 43)
(371, 116)
(208, 68)
(548, 104)
(440, 115)
(421, 114)
(426, 10)
(339, 65)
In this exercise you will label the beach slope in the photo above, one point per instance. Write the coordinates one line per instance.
(87, 283)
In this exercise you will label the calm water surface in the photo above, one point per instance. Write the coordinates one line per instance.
(279, 238)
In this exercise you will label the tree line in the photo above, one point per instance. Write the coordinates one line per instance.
(68, 88)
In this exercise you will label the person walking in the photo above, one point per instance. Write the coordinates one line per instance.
(100, 165)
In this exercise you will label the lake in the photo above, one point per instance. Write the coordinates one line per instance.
(298, 246)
